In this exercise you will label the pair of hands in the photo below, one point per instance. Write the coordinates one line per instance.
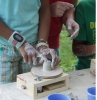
(58, 9)
(30, 54)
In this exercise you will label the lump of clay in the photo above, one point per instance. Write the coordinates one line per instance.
(47, 65)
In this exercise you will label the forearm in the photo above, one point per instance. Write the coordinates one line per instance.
(69, 14)
(5, 31)
(44, 22)
(84, 50)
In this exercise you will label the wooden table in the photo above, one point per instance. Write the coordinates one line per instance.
(79, 82)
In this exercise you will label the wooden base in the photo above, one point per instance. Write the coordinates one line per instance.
(93, 67)
(26, 83)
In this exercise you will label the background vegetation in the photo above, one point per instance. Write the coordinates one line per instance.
(68, 59)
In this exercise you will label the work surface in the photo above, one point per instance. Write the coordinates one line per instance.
(79, 82)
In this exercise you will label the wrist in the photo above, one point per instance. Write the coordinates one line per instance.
(16, 39)
(42, 40)
(41, 45)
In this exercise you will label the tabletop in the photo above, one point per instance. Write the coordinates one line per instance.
(79, 81)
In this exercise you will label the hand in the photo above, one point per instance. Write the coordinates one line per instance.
(73, 28)
(50, 53)
(29, 53)
(58, 8)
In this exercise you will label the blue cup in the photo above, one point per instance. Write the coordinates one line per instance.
(91, 93)
(58, 96)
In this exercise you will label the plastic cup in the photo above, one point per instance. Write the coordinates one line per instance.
(91, 93)
(58, 96)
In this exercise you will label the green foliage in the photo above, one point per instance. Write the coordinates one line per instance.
(68, 59)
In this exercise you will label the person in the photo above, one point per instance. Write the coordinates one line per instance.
(22, 24)
(83, 45)
(62, 13)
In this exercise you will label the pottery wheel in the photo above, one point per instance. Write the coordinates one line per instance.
(38, 71)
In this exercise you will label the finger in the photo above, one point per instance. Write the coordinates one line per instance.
(57, 61)
(25, 58)
(75, 25)
(53, 54)
(52, 65)
(74, 35)
(70, 32)
(42, 56)
(53, 62)
(34, 57)
(66, 4)
(75, 32)
(29, 58)
(41, 60)
(34, 60)
(69, 5)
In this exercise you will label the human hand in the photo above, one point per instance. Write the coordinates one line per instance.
(50, 53)
(58, 8)
(29, 53)
(73, 28)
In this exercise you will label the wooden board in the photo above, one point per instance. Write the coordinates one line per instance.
(93, 66)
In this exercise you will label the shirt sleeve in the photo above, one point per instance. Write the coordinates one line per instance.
(80, 19)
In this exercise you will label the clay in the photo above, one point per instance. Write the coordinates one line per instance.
(47, 66)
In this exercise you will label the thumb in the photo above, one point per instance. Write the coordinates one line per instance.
(75, 34)
(42, 57)
(53, 61)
